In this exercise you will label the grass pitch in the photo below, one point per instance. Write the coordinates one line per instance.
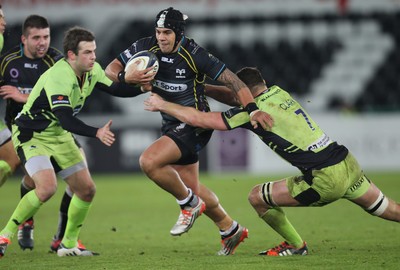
(131, 217)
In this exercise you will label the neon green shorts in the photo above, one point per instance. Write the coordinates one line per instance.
(62, 148)
(342, 180)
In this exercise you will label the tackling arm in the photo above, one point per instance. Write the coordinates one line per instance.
(221, 94)
(245, 97)
(188, 115)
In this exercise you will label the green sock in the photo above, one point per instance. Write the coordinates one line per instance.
(27, 207)
(5, 171)
(77, 213)
(276, 218)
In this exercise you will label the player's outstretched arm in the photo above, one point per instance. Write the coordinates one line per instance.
(188, 115)
(221, 94)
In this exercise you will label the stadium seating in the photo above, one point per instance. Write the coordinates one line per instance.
(341, 62)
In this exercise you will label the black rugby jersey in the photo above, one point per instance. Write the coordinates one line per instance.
(181, 75)
(22, 72)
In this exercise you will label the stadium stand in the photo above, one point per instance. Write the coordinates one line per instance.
(342, 62)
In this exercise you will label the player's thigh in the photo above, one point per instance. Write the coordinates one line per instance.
(81, 182)
(163, 151)
(367, 198)
(279, 192)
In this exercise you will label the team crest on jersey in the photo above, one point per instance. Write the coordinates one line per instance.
(181, 73)
(14, 73)
(59, 100)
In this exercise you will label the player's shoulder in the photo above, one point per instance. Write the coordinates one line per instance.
(11, 54)
(191, 46)
(144, 43)
(60, 70)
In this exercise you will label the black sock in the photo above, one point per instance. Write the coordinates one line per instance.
(63, 218)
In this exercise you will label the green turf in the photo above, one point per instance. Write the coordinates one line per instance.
(131, 217)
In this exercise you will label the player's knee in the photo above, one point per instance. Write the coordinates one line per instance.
(87, 193)
(256, 197)
(378, 207)
(146, 164)
(44, 193)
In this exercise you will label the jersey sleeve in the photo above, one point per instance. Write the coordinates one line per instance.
(137, 46)
(236, 117)
(207, 63)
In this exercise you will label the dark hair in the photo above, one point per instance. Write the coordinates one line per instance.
(251, 76)
(172, 19)
(34, 21)
(75, 35)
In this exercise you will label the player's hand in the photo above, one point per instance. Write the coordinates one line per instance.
(262, 118)
(105, 135)
(12, 92)
(153, 103)
(135, 76)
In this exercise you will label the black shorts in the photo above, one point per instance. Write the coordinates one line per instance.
(190, 140)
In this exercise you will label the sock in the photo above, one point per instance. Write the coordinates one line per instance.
(24, 189)
(231, 231)
(27, 207)
(276, 218)
(63, 215)
(191, 200)
(5, 171)
(77, 213)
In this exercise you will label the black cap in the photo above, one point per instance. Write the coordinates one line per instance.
(172, 19)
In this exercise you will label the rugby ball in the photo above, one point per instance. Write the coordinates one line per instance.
(142, 60)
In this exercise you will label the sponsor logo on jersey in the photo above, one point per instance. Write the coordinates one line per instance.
(31, 66)
(59, 99)
(321, 142)
(167, 60)
(180, 72)
(170, 87)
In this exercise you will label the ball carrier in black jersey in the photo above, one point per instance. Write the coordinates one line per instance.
(21, 67)
(172, 161)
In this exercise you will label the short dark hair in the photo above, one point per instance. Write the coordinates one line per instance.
(34, 21)
(75, 35)
(251, 76)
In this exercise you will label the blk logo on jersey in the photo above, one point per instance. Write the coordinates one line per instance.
(167, 60)
(59, 100)
(31, 66)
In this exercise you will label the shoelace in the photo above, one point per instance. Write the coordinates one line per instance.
(280, 247)
(185, 217)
